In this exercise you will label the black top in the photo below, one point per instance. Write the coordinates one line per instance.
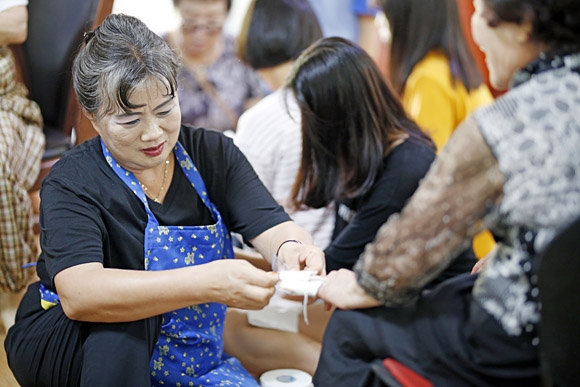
(359, 219)
(88, 214)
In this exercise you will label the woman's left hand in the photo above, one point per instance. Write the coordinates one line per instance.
(298, 256)
(341, 289)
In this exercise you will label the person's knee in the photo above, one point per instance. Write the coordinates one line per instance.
(340, 330)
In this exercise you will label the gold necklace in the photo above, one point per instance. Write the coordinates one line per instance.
(156, 198)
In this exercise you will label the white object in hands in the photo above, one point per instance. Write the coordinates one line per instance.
(299, 283)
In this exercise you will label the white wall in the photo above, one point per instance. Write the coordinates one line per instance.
(160, 16)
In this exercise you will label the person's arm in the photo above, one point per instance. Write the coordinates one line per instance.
(13, 25)
(294, 247)
(252, 212)
(368, 34)
(439, 221)
(90, 292)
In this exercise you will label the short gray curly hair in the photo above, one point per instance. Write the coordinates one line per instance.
(118, 56)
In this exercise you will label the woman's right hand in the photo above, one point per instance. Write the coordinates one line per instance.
(341, 289)
(240, 284)
(89, 292)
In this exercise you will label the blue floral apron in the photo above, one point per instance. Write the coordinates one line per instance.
(189, 351)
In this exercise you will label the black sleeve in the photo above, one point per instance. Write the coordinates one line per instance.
(83, 204)
(402, 171)
(244, 202)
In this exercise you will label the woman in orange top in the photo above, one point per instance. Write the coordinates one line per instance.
(433, 70)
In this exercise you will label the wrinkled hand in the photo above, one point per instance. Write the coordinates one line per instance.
(296, 256)
(240, 284)
(479, 265)
(342, 290)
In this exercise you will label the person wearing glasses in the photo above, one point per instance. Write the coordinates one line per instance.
(215, 87)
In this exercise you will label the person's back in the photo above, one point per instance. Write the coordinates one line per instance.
(21, 147)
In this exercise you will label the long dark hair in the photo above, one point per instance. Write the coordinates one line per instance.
(421, 26)
(351, 120)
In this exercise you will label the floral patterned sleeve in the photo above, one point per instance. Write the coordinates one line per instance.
(459, 194)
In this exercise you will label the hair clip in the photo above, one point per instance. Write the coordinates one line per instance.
(87, 36)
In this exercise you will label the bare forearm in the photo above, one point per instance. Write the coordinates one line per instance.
(253, 257)
(90, 292)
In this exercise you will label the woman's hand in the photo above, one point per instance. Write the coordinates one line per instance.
(298, 256)
(292, 248)
(479, 265)
(241, 285)
(89, 292)
(342, 290)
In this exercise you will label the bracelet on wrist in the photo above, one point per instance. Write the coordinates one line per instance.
(286, 241)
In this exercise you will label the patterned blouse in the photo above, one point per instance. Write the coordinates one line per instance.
(235, 84)
(513, 167)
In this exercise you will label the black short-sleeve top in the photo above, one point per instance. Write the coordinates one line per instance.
(88, 214)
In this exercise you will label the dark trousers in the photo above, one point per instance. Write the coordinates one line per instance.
(445, 337)
(46, 348)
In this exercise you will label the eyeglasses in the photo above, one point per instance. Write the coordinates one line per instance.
(211, 27)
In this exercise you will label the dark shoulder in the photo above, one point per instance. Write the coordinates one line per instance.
(79, 162)
(213, 153)
(413, 151)
(201, 143)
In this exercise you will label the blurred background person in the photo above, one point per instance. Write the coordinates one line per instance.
(215, 87)
(350, 19)
(21, 148)
(431, 66)
(433, 70)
